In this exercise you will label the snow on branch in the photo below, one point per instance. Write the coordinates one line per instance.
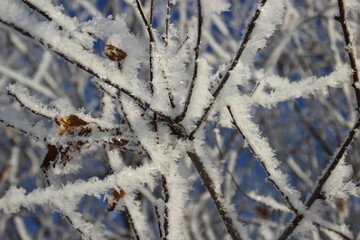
(55, 197)
(13, 14)
(327, 173)
(273, 89)
(265, 155)
(271, 23)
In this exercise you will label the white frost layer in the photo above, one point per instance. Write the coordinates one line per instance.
(128, 180)
(284, 90)
(270, 17)
(269, 201)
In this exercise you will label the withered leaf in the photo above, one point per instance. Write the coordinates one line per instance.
(118, 143)
(69, 123)
(116, 197)
(50, 157)
(114, 53)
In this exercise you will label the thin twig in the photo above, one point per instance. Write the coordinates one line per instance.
(40, 11)
(166, 209)
(156, 209)
(131, 223)
(225, 75)
(145, 20)
(349, 49)
(50, 18)
(148, 25)
(137, 99)
(262, 163)
(27, 107)
(195, 72)
(182, 44)
(23, 131)
(317, 192)
(216, 196)
(167, 23)
(151, 12)
(332, 230)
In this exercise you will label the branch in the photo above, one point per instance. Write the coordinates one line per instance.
(350, 50)
(166, 209)
(317, 192)
(167, 21)
(332, 230)
(216, 196)
(22, 104)
(52, 14)
(195, 73)
(131, 223)
(224, 77)
(262, 163)
(145, 20)
(137, 99)
(28, 133)
(40, 11)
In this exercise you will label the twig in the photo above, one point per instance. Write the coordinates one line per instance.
(225, 76)
(262, 163)
(23, 131)
(137, 99)
(166, 209)
(151, 12)
(349, 49)
(195, 72)
(131, 223)
(41, 12)
(145, 20)
(216, 196)
(167, 21)
(27, 107)
(332, 230)
(182, 44)
(156, 209)
(46, 14)
(317, 192)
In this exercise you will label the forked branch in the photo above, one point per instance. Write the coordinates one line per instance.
(317, 192)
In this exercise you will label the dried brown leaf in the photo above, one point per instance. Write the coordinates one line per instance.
(116, 196)
(114, 53)
(69, 123)
(50, 157)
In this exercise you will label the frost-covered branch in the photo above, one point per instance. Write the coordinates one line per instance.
(223, 77)
(165, 119)
(196, 58)
(349, 47)
(317, 192)
(269, 165)
(216, 196)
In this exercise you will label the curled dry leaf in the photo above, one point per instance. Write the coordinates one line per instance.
(69, 123)
(114, 53)
(117, 143)
(116, 196)
(50, 157)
